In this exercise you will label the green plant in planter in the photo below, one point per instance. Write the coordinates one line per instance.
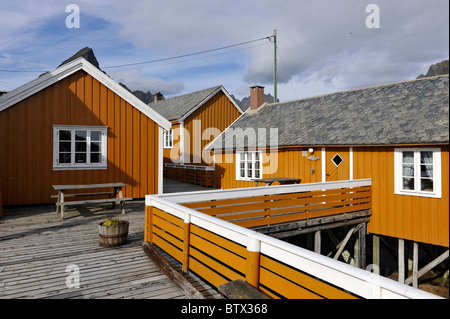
(113, 221)
(113, 231)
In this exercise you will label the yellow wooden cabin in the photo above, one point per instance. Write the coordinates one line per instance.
(197, 119)
(397, 135)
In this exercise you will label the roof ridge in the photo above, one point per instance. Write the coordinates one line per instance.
(177, 96)
(403, 113)
(360, 89)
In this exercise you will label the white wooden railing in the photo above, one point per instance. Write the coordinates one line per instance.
(361, 283)
(194, 174)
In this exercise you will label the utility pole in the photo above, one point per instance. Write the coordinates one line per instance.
(275, 65)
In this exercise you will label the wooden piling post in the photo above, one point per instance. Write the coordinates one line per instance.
(401, 260)
(317, 241)
(376, 251)
(415, 264)
(362, 246)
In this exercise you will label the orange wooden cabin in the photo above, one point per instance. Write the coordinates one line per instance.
(41, 121)
(197, 119)
(395, 134)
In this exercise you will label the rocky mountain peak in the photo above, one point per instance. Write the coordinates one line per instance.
(88, 54)
(436, 69)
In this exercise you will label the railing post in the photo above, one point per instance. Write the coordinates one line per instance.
(253, 254)
(148, 224)
(187, 232)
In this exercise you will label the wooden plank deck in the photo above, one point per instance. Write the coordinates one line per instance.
(173, 186)
(36, 246)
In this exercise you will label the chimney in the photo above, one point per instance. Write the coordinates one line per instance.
(157, 97)
(256, 96)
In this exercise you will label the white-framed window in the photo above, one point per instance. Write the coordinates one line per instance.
(418, 172)
(79, 147)
(248, 165)
(168, 139)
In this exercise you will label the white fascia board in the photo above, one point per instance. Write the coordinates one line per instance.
(232, 100)
(67, 69)
(220, 88)
(38, 84)
(208, 146)
(126, 95)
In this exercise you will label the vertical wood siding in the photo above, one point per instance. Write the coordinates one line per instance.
(218, 113)
(421, 219)
(26, 141)
(287, 162)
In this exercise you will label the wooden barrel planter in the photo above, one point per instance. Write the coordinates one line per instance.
(113, 235)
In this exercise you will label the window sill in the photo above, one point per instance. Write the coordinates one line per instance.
(430, 195)
(79, 168)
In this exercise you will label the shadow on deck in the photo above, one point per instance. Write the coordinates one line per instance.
(37, 247)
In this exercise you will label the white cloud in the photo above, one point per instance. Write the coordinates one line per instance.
(322, 44)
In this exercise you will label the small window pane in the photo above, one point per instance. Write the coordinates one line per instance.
(64, 146)
(96, 136)
(408, 170)
(408, 183)
(64, 158)
(65, 135)
(95, 158)
(95, 147)
(426, 171)
(426, 185)
(80, 157)
(80, 146)
(426, 157)
(80, 135)
(408, 157)
(257, 163)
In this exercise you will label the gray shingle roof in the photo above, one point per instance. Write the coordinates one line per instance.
(177, 107)
(411, 112)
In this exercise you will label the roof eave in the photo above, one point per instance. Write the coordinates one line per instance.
(207, 98)
(32, 87)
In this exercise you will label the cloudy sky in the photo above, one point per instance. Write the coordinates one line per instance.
(323, 45)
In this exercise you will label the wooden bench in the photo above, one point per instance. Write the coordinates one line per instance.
(112, 196)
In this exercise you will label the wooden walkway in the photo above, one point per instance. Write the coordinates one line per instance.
(36, 247)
